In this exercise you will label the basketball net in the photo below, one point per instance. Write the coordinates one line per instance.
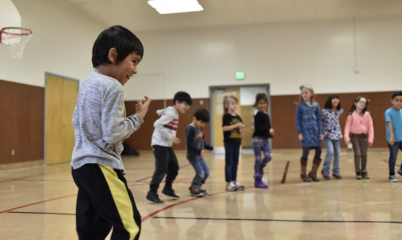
(15, 38)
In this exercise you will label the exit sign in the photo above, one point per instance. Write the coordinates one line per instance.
(240, 75)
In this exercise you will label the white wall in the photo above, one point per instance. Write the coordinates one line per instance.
(61, 44)
(282, 54)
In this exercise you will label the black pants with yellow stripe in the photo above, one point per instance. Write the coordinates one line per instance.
(104, 201)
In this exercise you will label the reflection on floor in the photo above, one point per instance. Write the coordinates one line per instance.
(39, 202)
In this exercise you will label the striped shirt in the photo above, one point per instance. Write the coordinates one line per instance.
(165, 127)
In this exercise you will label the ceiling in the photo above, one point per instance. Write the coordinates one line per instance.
(137, 15)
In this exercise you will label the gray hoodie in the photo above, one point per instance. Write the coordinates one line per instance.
(165, 127)
(100, 124)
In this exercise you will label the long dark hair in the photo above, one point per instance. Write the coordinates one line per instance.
(328, 103)
(260, 96)
(353, 108)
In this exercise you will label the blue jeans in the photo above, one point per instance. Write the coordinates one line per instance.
(393, 153)
(201, 170)
(333, 150)
(231, 161)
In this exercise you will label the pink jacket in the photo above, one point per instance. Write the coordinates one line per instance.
(358, 124)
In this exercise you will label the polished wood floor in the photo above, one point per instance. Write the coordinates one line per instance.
(39, 202)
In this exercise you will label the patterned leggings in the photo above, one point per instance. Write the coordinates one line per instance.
(261, 145)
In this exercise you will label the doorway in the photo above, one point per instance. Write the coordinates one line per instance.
(60, 100)
(245, 109)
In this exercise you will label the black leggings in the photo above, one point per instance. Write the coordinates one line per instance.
(306, 151)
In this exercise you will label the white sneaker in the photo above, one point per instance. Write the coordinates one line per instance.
(392, 178)
(231, 186)
(239, 186)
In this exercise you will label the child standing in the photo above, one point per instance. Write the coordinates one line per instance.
(262, 132)
(104, 201)
(359, 129)
(163, 138)
(195, 149)
(232, 128)
(332, 134)
(309, 128)
(393, 120)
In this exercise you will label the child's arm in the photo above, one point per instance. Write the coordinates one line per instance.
(391, 133)
(319, 122)
(370, 130)
(271, 130)
(207, 146)
(388, 120)
(298, 122)
(190, 140)
(226, 124)
(115, 127)
(160, 125)
(347, 128)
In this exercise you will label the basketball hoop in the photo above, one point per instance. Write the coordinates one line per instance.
(15, 38)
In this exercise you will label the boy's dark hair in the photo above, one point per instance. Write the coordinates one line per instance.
(328, 103)
(202, 114)
(396, 94)
(118, 37)
(182, 97)
(353, 108)
(260, 96)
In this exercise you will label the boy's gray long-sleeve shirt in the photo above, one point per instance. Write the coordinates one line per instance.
(100, 123)
(165, 127)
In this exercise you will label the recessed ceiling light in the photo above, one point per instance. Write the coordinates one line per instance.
(175, 6)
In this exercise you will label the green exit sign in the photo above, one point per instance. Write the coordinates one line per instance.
(240, 75)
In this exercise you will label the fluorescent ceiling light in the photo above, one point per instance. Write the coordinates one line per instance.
(175, 6)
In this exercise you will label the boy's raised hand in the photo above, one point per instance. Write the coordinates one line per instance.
(142, 106)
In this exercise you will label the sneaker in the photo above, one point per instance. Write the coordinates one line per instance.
(196, 194)
(325, 175)
(365, 174)
(392, 178)
(170, 193)
(231, 186)
(239, 186)
(154, 198)
(358, 175)
(337, 176)
(204, 191)
(399, 173)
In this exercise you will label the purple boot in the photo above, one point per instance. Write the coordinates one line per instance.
(258, 183)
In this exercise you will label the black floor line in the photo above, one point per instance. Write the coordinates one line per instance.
(69, 214)
(278, 220)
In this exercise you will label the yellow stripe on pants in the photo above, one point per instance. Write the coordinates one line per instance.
(122, 200)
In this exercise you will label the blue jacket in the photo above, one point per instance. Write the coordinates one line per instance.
(309, 124)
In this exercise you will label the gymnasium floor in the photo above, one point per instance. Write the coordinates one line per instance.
(39, 202)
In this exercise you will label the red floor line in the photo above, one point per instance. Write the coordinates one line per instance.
(48, 200)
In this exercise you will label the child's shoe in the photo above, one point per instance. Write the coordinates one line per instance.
(170, 193)
(231, 186)
(337, 176)
(325, 175)
(239, 186)
(195, 190)
(399, 173)
(358, 175)
(392, 178)
(154, 198)
(365, 174)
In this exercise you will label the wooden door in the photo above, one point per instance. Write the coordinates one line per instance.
(61, 97)
(217, 105)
